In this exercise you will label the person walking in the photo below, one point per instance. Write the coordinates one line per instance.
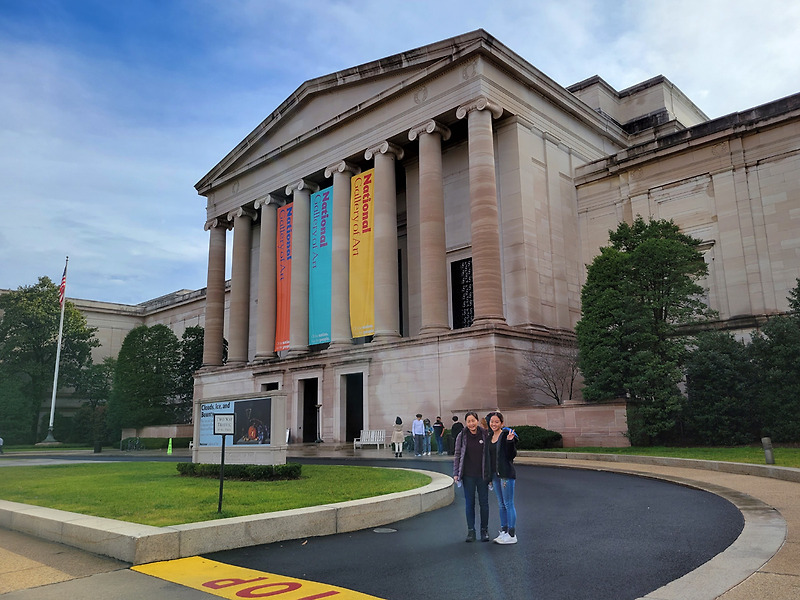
(398, 438)
(471, 471)
(438, 433)
(457, 428)
(1, 445)
(418, 431)
(502, 451)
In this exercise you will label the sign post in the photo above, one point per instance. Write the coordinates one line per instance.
(224, 424)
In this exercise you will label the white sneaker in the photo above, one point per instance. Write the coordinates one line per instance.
(499, 539)
(507, 540)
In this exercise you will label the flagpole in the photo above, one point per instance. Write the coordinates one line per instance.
(63, 299)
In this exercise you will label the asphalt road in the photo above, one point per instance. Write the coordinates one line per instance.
(582, 534)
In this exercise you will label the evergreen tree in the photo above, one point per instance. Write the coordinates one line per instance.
(720, 407)
(191, 360)
(28, 336)
(639, 291)
(145, 378)
(775, 352)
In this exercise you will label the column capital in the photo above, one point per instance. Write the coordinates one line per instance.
(217, 222)
(480, 103)
(303, 184)
(269, 200)
(341, 167)
(384, 147)
(242, 212)
(430, 126)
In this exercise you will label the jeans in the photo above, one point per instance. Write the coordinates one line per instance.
(504, 490)
(440, 445)
(471, 485)
(418, 444)
(426, 444)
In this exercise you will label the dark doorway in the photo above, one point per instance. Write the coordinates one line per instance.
(310, 387)
(354, 405)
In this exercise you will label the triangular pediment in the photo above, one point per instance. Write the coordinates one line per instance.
(326, 101)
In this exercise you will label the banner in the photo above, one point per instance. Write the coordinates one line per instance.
(284, 276)
(362, 262)
(319, 268)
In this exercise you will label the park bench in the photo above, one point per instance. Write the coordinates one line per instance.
(369, 437)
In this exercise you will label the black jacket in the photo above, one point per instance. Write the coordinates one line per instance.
(506, 453)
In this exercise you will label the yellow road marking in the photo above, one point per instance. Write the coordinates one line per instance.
(234, 583)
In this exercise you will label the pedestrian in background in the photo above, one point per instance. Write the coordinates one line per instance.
(398, 438)
(457, 428)
(438, 432)
(502, 451)
(426, 442)
(1, 445)
(471, 470)
(418, 431)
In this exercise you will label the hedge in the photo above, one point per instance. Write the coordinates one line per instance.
(242, 472)
(533, 437)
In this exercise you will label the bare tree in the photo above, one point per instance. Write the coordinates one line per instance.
(551, 373)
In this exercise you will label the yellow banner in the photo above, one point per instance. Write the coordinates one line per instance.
(362, 261)
(235, 583)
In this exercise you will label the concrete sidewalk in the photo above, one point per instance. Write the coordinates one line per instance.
(763, 563)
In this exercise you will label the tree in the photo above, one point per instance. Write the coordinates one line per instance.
(720, 409)
(145, 378)
(28, 336)
(551, 374)
(639, 291)
(191, 360)
(775, 352)
(94, 386)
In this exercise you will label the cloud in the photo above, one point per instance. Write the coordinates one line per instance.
(111, 112)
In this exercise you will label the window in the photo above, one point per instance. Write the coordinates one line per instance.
(461, 282)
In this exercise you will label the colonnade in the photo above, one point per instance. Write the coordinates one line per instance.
(486, 264)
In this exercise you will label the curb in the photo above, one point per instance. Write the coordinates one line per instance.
(783, 473)
(138, 544)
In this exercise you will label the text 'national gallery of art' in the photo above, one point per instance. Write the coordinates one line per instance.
(406, 232)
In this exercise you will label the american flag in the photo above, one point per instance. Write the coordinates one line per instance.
(63, 287)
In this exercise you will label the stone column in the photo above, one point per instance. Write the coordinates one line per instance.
(342, 172)
(239, 331)
(433, 250)
(487, 280)
(267, 277)
(301, 221)
(215, 293)
(387, 289)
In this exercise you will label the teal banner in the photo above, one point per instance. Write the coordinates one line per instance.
(319, 273)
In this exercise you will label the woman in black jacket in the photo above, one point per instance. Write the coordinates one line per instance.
(471, 469)
(502, 451)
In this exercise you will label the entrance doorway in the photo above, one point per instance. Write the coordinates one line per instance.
(354, 405)
(310, 388)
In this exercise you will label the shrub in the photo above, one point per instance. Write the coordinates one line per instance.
(242, 472)
(532, 437)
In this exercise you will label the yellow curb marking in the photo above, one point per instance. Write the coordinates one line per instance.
(228, 581)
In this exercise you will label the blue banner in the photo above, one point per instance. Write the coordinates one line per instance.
(319, 272)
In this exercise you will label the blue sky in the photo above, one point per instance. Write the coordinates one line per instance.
(111, 111)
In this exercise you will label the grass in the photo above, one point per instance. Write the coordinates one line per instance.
(784, 457)
(152, 493)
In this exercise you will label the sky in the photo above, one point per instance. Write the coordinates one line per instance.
(111, 111)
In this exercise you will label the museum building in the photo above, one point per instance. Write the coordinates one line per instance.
(406, 232)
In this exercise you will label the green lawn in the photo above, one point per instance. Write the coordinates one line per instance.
(152, 493)
(784, 457)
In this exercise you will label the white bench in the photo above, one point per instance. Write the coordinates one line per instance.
(370, 436)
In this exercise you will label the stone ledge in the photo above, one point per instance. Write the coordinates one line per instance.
(139, 544)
